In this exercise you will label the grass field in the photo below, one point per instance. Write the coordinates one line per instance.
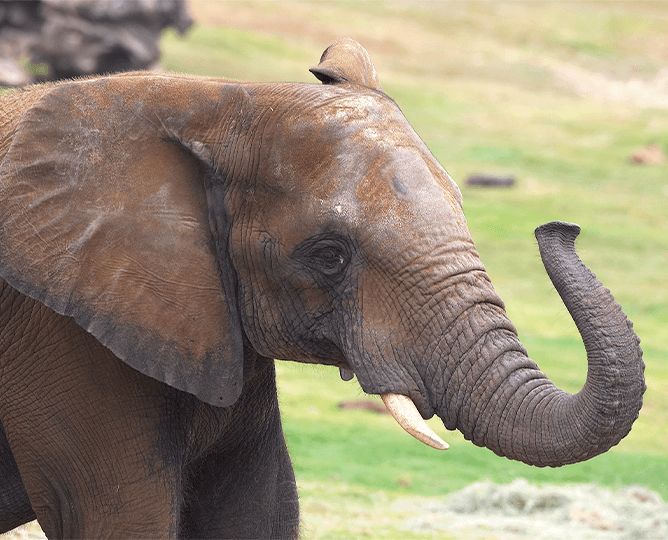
(558, 95)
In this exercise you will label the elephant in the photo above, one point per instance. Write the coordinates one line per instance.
(165, 238)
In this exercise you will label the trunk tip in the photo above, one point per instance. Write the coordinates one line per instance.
(560, 228)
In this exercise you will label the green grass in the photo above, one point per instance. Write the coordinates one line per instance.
(484, 86)
(232, 54)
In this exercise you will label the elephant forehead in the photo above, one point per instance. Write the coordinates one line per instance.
(353, 160)
(409, 207)
(398, 191)
(405, 180)
(382, 158)
(367, 176)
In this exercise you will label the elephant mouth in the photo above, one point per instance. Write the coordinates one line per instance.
(405, 413)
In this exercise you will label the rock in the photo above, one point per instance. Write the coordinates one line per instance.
(58, 39)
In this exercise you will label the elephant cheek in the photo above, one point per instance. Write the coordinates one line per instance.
(282, 312)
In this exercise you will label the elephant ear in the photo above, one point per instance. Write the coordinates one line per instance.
(346, 61)
(104, 218)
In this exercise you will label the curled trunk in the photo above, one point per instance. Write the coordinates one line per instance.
(499, 398)
(529, 418)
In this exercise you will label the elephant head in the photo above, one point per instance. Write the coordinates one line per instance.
(185, 221)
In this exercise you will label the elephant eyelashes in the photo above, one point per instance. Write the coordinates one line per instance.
(331, 262)
(328, 256)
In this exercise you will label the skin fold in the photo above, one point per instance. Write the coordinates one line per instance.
(163, 238)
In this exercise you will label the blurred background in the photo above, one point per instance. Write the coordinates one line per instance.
(563, 108)
(43, 40)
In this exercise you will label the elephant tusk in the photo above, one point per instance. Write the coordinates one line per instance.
(407, 416)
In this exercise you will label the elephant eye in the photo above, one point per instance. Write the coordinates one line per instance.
(327, 256)
(330, 260)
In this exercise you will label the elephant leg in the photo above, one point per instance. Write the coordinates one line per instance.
(15, 506)
(230, 499)
(84, 430)
(285, 523)
(246, 489)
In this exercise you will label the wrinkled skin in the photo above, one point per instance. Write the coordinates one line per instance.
(163, 237)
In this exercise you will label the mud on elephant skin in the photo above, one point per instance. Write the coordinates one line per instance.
(163, 238)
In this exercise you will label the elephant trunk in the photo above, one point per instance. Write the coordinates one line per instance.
(527, 417)
(500, 399)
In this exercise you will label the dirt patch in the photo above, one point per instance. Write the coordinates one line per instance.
(520, 511)
(645, 93)
(364, 405)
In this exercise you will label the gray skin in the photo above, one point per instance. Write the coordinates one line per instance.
(163, 237)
